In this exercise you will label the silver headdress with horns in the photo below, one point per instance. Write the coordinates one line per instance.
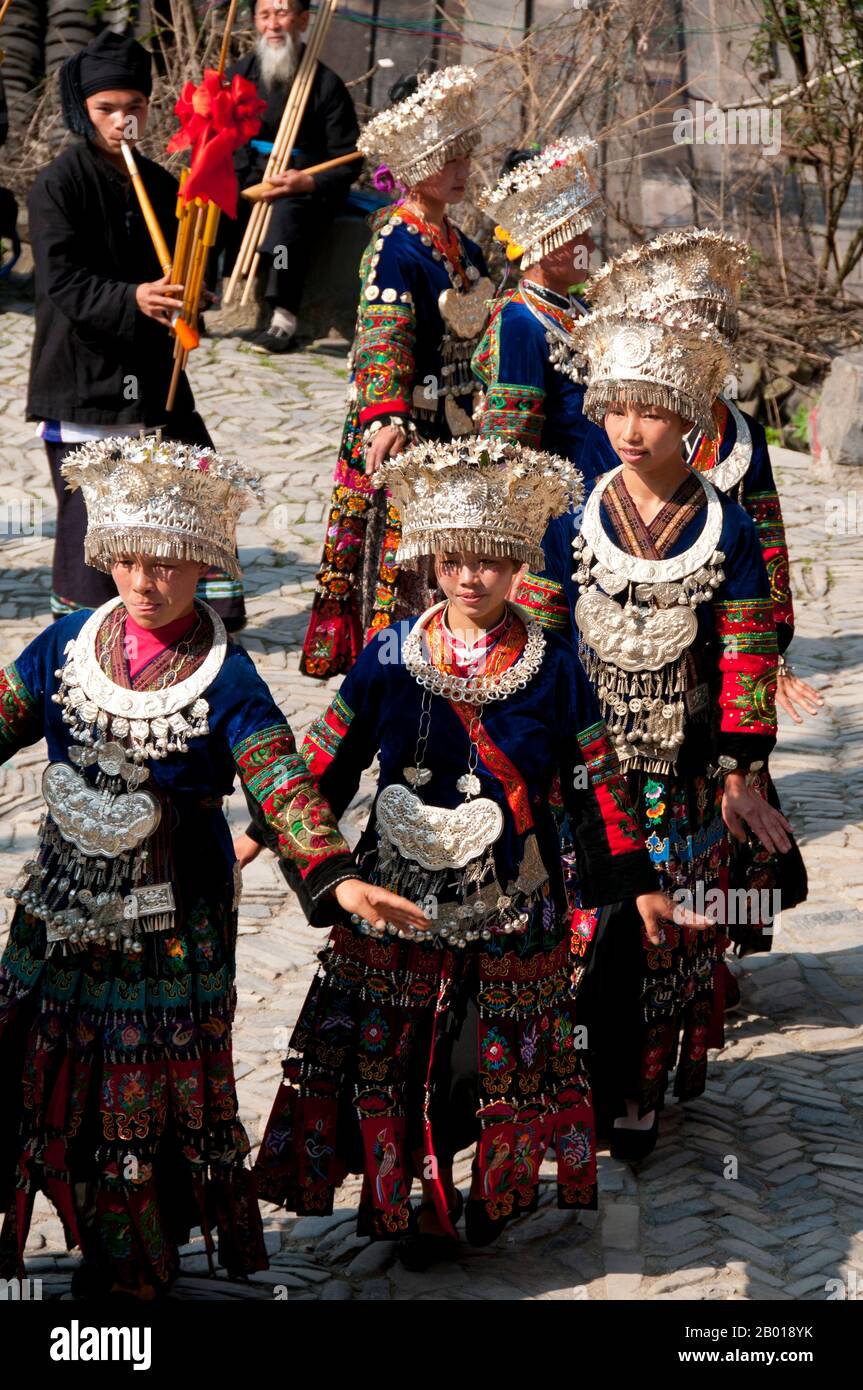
(696, 268)
(146, 496)
(676, 360)
(546, 201)
(480, 496)
(420, 134)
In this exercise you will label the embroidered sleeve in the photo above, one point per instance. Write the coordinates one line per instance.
(20, 715)
(344, 740)
(766, 511)
(325, 736)
(510, 364)
(761, 501)
(277, 779)
(545, 600)
(386, 333)
(612, 860)
(512, 412)
(748, 663)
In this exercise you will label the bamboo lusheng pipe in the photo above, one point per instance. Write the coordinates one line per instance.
(184, 332)
(194, 285)
(257, 190)
(160, 245)
(3, 8)
(265, 210)
(289, 138)
(196, 236)
(259, 221)
(248, 249)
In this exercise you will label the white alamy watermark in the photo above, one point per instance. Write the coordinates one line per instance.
(20, 516)
(843, 516)
(708, 124)
(20, 1290)
(77, 1343)
(730, 907)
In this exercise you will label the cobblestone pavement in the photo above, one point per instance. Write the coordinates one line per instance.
(784, 1098)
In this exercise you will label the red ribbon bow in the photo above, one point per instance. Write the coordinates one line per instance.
(215, 120)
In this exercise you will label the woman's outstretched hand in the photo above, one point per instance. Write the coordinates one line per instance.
(246, 849)
(656, 910)
(378, 905)
(742, 806)
(791, 691)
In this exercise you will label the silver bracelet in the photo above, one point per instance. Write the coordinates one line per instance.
(406, 429)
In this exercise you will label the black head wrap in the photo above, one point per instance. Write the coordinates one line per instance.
(514, 158)
(110, 63)
(403, 88)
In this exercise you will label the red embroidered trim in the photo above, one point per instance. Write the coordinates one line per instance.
(279, 780)
(321, 743)
(707, 454)
(766, 511)
(610, 788)
(503, 655)
(545, 601)
(748, 662)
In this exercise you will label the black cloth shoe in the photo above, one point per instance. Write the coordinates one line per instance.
(480, 1228)
(419, 1250)
(631, 1145)
(274, 340)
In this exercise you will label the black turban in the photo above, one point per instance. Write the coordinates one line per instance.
(110, 63)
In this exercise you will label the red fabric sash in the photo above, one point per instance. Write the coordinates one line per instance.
(504, 654)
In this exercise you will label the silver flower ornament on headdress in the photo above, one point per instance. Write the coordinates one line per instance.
(438, 122)
(676, 360)
(692, 267)
(145, 496)
(546, 201)
(478, 496)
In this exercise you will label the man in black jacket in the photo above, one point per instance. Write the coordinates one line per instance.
(303, 203)
(102, 353)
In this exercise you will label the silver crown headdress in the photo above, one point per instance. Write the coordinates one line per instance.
(146, 496)
(437, 123)
(480, 496)
(693, 267)
(546, 201)
(676, 360)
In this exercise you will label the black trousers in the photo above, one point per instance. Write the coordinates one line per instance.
(297, 223)
(75, 584)
(609, 1007)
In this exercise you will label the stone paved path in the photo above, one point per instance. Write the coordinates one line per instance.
(783, 1104)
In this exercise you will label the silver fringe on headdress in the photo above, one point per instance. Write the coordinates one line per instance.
(145, 496)
(478, 496)
(437, 123)
(545, 202)
(678, 362)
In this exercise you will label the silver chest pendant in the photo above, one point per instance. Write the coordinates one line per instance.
(91, 883)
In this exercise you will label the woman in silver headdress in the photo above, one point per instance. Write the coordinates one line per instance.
(117, 984)
(676, 629)
(413, 1045)
(423, 303)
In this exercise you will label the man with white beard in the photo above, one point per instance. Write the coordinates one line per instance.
(303, 203)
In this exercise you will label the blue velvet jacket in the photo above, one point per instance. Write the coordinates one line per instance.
(526, 398)
(248, 735)
(749, 479)
(398, 359)
(532, 741)
(735, 651)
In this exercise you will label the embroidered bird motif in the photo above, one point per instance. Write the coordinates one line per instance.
(386, 1164)
(499, 1152)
